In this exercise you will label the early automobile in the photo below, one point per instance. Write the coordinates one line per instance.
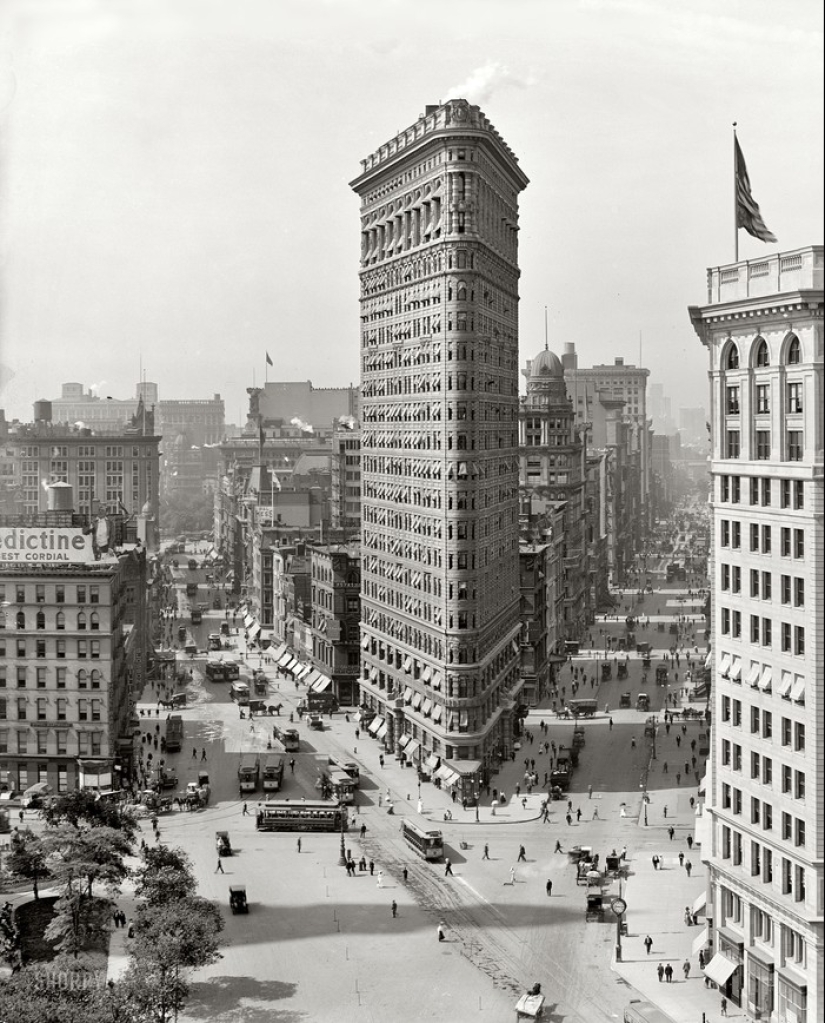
(222, 843)
(237, 899)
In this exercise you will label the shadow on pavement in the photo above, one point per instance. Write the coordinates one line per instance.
(226, 999)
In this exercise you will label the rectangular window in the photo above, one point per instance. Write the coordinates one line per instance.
(40, 593)
(725, 842)
(767, 817)
(737, 849)
(766, 586)
(81, 594)
(725, 577)
(767, 771)
(754, 582)
(82, 710)
(786, 731)
(755, 808)
(95, 649)
(21, 677)
(766, 539)
(62, 742)
(736, 626)
(62, 704)
(61, 678)
(798, 494)
(787, 876)
(754, 720)
(82, 649)
(41, 709)
(724, 539)
(767, 724)
(799, 784)
(799, 884)
(785, 493)
(756, 764)
(799, 592)
(22, 709)
(736, 535)
(785, 542)
(767, 866)
(754, 486)
(763, 405)
(732, 401)
(40, 678)
(786, 589)
(799, 832)
(766, 491)
(40, 648)
(736, 579)
(724, 489)
(794, 397)
(736, 717)
(726, 708)
(787, 780)
(767, 631)
(737, 756)
(795, 445)
(60, 649)
(754, 628)
(763, 445)
(732, 444)
(799, 736)
(735, 490)
(725, 621)
(726, 753)
(60, 594)
(786, 637)
(94, 594)
(799, 543)
(754, 537)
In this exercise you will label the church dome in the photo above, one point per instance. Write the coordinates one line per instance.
(546, 364)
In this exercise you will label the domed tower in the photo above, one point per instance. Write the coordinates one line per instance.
(552, 474)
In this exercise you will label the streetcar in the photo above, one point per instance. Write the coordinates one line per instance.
(347, 766)
(284, 815)
(429, 844)
(337, 785)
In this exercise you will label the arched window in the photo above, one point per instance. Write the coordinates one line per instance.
(762, 355)
(40, 622)
(81, 621)
(21, 620)
(60, 621)
(794, 352)
(95, 679)
(82, 679)
(94, 621)
(732, 357)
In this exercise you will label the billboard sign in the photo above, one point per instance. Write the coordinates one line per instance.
(45, 545)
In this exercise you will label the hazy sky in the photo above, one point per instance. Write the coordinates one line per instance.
(174, 177)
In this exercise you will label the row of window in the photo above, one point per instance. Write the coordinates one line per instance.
(791, 492)
(792, 876)
(23, 594)
(793, 450)
(88, 744)
(85, 679)
(792, 637)
(87, 710)
(762, 395)
(761, 770)
(791, 541)
(92, 622)
(83, 648)
(792, 588)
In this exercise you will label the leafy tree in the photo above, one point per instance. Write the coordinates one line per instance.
(184, 512)
(28, 858)
(94, 854)
(166, 875)
(79, 921)
(65, 992)
(170, 940)
(83, 807)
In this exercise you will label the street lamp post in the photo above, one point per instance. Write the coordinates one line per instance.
(342, 857)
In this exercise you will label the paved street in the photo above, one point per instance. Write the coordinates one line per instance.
(323, 946)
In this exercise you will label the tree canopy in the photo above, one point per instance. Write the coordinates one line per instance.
(27, 858)
(83, 807)
(166, 875)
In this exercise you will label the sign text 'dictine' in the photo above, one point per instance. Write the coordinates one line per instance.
(45, 545)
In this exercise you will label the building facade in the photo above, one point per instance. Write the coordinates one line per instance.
(72, 654)
(763, 329)
(345, 485)
(439, 440)
(336, 613)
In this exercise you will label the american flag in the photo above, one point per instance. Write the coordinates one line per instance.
(747, 210)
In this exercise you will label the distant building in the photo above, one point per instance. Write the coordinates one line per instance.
(336, 614)
(763, 831)
(73, 650)
(345, 498)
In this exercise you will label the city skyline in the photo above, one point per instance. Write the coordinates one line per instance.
(184, 233)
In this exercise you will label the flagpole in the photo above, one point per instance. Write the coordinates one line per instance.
(735, 201)
(266, 371)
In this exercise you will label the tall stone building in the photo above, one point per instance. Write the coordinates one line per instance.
(439, 417)
(762, 327)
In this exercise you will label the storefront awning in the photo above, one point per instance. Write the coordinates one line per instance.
(247, 621)
(724, 666)
(279, 652)
(720, 969)
(382, 731)
(253, 632)
(321, 683)
(450, 777)
(700, 902)
(432, 761)
(402, 742)
(411, 747)
(766, 679)
(374, 725)
(284, 659)
(443, 773)
(736, 669)
(437, 712)
(426, 706)
(699, 941)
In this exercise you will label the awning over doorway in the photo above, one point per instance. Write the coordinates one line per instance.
(374, 725)
(699, 941)
(321, 683)
(700, 902)
(720, 969)
(382, 731)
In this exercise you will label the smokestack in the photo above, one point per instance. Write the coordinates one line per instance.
(569, 359)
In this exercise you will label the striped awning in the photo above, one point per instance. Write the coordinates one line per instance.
(284, 659)
(411, 747)
(408, 664)
(699, 942)
(247, 620)
(720, 969)
(432, 761)
(709, 659)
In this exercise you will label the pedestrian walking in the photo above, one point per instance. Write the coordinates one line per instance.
(671, 831)
(298, 844)
(661, 971)
(486, 855)
(701, 959)
(569, 819)
(363, 831)
(203, 754)
(448, 868)
(589, 791)
(664, 768)
(245, 810)
(292, 765)
(394, 907)
(668, 973)
(688, 867)
(595, 816)
(686, 968)
(372, 868)
(219, 867)
(405, 874)
(440, 932)
(689, 841)
(723, 1008)
(380, 878)
(522, 855)
(512, 875)
(194, 752)
(648, 943)
(655, 862)
(549, 887)
(665, 808)
(558, 848)
(578, 813)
